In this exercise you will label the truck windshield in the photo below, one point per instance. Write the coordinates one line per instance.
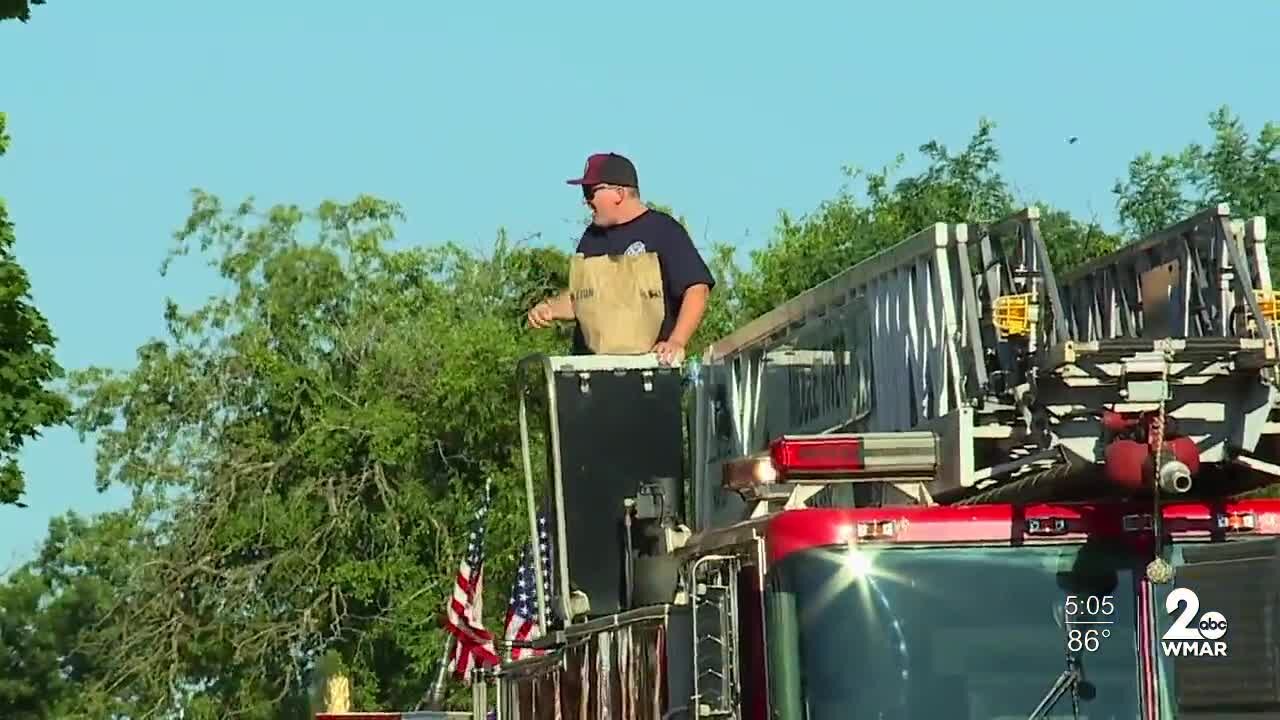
(957, 632)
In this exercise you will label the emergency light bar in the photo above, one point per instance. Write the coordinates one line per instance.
(1006, 524)
(835, 457)
(817, 454)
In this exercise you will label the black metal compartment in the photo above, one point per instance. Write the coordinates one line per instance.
(616, 432)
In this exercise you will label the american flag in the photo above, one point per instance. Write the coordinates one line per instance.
(463, 616)
(522, 609)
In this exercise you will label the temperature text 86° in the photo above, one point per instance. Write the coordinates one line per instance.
(1087, 640)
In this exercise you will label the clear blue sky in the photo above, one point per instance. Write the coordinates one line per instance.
(473, 117)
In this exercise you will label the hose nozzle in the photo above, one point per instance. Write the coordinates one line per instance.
(1175, 477)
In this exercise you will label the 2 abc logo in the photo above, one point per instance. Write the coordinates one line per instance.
(1209, 626)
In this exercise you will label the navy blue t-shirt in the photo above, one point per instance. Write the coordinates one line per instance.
(656, 232)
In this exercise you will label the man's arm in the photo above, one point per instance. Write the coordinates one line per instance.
(556, 307)
(692, 308)
(685, 271)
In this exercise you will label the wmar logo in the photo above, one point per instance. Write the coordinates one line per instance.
(1190, 636)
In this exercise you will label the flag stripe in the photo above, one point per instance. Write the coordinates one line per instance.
(464, 617)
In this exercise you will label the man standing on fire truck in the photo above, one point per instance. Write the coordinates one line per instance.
(621, 224)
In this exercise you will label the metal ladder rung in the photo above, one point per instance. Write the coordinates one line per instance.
(714, 615)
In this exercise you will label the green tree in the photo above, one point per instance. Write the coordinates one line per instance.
(324, 428)
(50, 609)
(1152, 196)
(1235, 168)
(17, 9)
(1071, 242)
(953, 187)
(27, 366)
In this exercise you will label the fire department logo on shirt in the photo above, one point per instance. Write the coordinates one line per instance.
(635, 248)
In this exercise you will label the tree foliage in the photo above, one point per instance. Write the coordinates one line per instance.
(1235, 168)
(306, 448)
(52, 608)
(27, 366)
(327, 425)
(964, 186)
(17, 9)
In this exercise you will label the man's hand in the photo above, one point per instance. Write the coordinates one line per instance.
(669, 352)
(558, 307)
(541, 315)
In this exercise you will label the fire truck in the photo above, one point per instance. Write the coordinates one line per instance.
(945, 483)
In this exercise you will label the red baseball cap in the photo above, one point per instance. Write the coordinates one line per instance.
(608, 169)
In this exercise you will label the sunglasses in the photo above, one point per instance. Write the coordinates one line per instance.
(589, 192)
